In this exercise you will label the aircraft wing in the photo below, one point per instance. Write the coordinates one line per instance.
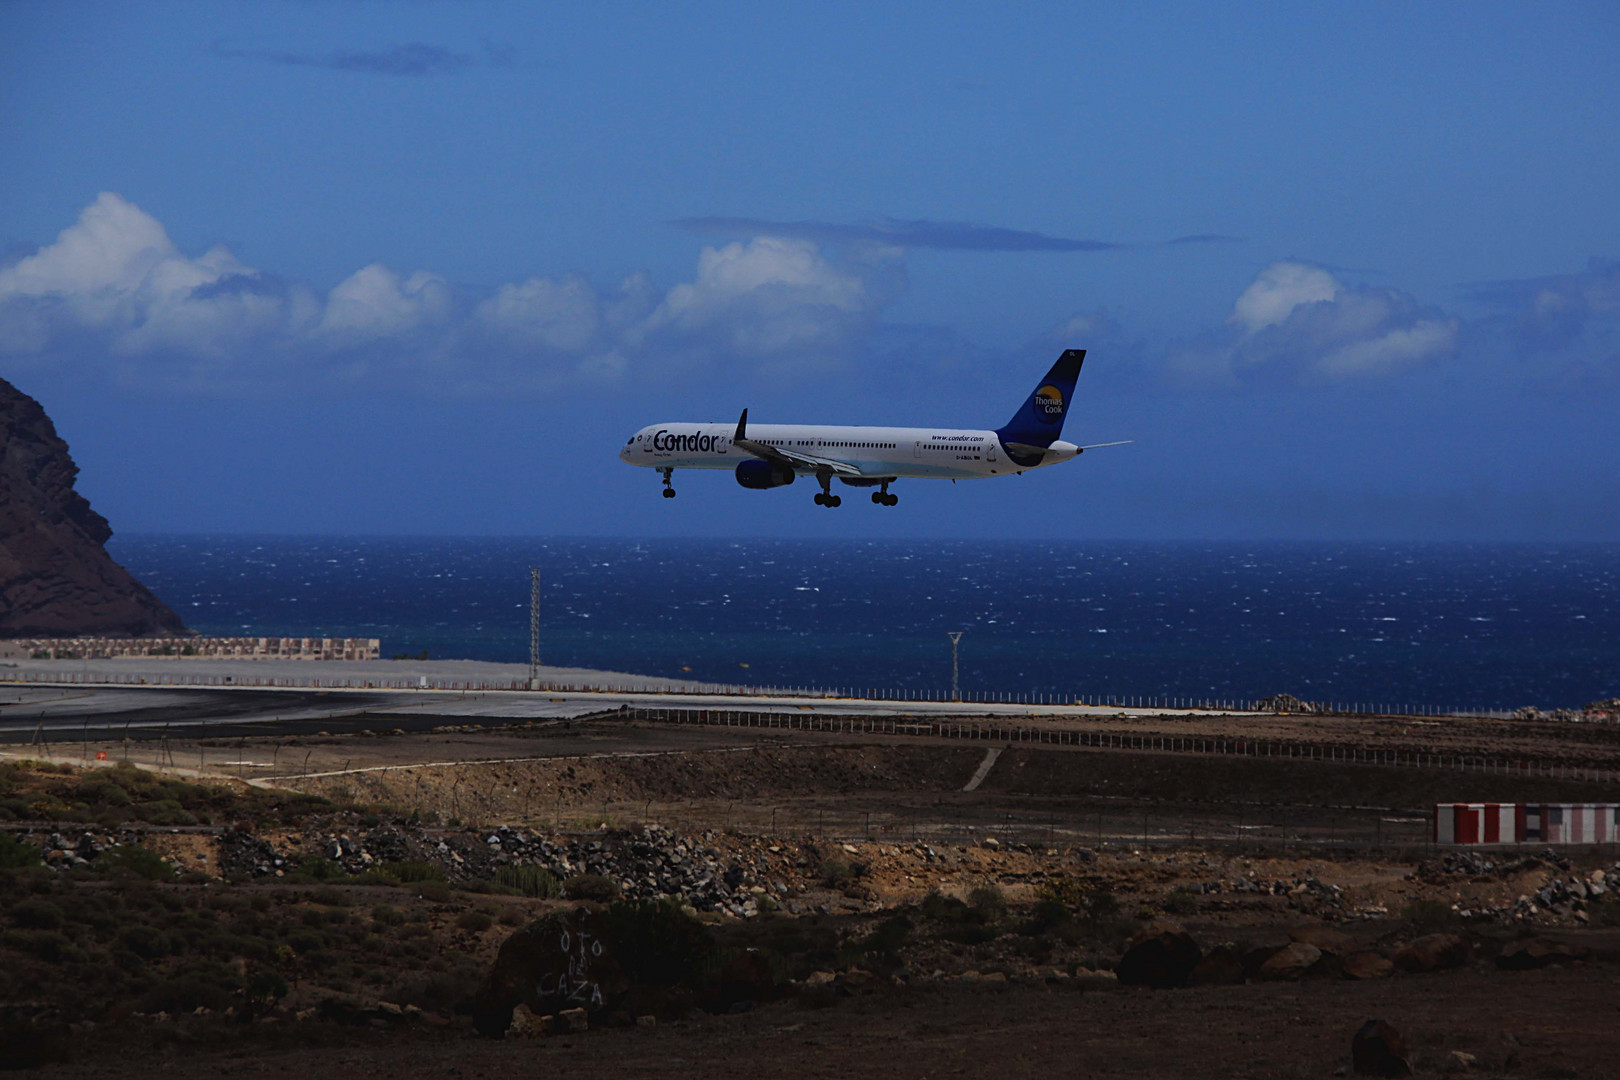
(791, 459)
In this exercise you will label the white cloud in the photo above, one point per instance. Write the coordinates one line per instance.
(1280, 288)
(768, 297)
(1565, 316)
(115, 278)
(562, 315)
(114, 286)
(375, 303)
(1299, 321)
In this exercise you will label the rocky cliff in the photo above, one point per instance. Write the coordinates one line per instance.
(56, 579)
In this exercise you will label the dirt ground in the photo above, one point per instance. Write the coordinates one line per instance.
(1003, 963)
(1552, 1023)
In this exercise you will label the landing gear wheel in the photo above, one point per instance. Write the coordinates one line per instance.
(835, 500)
(669, 493)
(891, 500)
(826, 498)
(669, 490)
(880, 498)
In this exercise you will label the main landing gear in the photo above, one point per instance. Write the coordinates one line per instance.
(883, 498)
(826, 497)
(669, 491)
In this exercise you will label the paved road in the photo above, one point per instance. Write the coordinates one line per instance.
(35, 712)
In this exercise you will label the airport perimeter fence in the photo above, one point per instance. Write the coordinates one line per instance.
(1255, 830)
(1044, 735)
(1032, 699)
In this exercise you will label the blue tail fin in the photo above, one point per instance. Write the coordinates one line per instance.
(1040, 420)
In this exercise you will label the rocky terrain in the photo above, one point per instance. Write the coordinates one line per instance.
(56, 578)
(151, 922)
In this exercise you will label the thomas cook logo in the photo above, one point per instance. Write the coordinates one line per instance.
(1049, 404)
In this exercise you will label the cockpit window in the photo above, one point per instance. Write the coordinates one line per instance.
(630, 441)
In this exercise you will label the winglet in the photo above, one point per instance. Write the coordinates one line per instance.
(742, 428)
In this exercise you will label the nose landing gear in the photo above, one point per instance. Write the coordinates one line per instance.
(669, 491)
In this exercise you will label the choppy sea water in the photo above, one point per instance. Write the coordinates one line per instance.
(1472, 626)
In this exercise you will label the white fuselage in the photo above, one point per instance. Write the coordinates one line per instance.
(878, 452)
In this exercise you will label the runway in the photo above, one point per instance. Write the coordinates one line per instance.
(150, 699)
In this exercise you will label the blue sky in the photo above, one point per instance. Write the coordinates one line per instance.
(1345, 271)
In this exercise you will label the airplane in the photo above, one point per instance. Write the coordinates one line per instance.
(767, 456)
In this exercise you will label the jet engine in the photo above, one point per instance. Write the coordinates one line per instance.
(759, 475)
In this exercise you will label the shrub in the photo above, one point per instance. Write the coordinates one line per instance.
(146, 942)
(436, 891)
(1049, 913)
(316, 868)
(165, 812)
(100, 791)
(52, 946)
(658, 943)
(411, 871)
(1101, 904)
(988, 900)
(476, 921)
(1181, 901)
(387, 915)
(37, 913)
(266, 988)
(836, 872)
(532, 881)
(140, 861)
(594, 887)
(881, 948)
(16, 854)
(936, 905)
(188, 992)
(1062, 889)
(1431, 915)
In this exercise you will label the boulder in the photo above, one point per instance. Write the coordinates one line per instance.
(746, 980)
(1367, 964)
(1291, 962)
(1162, 955)
(562, 962)
(1459, 1061)
(1326, 938)
(1377, 1049)
(526, 1025)
(1221, 966)
(1255, 957)
(573, 1021)
(1433, 952)
(1534, 953)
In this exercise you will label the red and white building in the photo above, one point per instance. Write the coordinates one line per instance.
(1526, 823)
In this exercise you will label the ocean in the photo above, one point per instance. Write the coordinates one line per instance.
(1440, 625)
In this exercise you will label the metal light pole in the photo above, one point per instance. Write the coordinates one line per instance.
(956, 686)
(534, 628)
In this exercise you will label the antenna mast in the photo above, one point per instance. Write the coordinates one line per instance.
(534, 628)
(956, 686)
